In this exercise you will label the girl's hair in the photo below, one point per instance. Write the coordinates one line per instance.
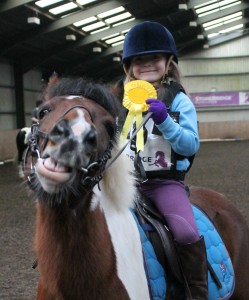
(174, 72)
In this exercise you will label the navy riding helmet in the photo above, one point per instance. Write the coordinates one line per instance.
(148, 38)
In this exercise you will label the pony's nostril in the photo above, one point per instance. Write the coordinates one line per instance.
(91, 138)
(60, 130)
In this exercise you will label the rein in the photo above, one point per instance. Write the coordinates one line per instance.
(145, 119)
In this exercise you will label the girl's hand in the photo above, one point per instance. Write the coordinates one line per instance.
(159, 110)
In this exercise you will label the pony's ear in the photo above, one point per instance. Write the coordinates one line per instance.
(118, 90)
(53, 80)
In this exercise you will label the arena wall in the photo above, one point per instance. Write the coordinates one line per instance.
(8, 150)
(223, 68)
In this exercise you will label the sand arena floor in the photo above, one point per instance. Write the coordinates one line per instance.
(222, 166)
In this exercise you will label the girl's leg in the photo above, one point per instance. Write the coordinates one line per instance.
(171, 199)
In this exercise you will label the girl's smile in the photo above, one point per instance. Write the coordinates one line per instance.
(149, 67)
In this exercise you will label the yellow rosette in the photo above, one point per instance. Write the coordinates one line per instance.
(135, 94)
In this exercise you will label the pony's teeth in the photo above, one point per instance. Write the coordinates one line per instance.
(53, 165)
(60, 168)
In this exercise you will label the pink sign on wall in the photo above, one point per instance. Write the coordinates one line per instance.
(220, 98)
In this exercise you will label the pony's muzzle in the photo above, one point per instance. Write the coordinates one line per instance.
(73, 143)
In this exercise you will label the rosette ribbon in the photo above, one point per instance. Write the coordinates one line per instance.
(135, 94)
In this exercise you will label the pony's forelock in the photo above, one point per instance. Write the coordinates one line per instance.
(99, 92)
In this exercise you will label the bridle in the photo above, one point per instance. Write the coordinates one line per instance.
(90, 175)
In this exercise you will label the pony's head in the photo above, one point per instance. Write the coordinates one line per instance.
(73, 140)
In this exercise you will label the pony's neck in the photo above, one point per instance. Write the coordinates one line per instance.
(73, 244)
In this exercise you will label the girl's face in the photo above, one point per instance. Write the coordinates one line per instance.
(149, 67)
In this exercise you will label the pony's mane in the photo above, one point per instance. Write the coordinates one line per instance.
(99, 92)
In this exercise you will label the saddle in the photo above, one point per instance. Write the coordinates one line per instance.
(159, 235)
(161, 238)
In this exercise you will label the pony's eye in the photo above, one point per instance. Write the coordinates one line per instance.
(43, 112)
(110, 128)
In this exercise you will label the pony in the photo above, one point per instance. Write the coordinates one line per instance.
(21, 145)
(87, 241)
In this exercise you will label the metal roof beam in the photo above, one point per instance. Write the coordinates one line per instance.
(35, 61)
(108, 72)
(98, 36)
(64, 22)
(107, 52)
(83, 14)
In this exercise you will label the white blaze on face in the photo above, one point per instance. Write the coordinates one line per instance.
(79, 125)
(72, 97)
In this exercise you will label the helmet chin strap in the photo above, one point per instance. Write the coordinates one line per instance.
(165, 76)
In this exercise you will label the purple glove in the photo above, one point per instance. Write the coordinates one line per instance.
(159, 110)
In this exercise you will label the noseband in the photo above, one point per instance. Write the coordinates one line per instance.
(90, 176)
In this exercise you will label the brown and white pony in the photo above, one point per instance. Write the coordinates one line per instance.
(87, 242)
(21, 145)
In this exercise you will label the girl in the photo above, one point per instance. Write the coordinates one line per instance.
(171, 140)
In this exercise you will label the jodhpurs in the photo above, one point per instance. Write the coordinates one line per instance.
(171, 199)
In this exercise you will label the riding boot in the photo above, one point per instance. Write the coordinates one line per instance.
(193, 260)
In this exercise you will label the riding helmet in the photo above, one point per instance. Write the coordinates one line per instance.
(148, 38)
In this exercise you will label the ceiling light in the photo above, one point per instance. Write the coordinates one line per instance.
(115, 39)
(62, 8)
(123, 22)
(232, 28)
(211, 7)
(99, 30)
(211, 35)
(200, 37)
(193, 24)
(118, 43)
(117, 18)
(93, 26)
(111, 12)
(85, 21)
(71, 37)
(205, 46)
(109, 36)
(116, 58)
(33, 20)
(182, 6)
(223, 19)
(84, 2)
(44, 3)
(97, 49)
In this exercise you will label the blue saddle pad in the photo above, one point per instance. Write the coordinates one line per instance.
(217, 255)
